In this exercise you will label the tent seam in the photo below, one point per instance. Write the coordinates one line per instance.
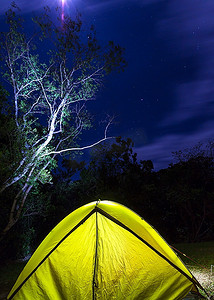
(94, 284)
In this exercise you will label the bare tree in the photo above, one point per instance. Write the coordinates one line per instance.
(50, 93)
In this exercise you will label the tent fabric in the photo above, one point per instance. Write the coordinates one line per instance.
(103, 250)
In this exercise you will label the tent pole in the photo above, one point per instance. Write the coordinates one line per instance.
(94, 282)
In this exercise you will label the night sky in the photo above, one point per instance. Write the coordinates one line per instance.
(164, 100)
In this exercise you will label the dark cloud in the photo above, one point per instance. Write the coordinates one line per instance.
(100, 6)
(194, 99)
(95, 6)
(160, 150)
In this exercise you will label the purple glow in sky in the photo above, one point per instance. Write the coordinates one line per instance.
(165, 98)
(63, 9)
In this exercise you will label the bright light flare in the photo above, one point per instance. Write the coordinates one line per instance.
(63, 6)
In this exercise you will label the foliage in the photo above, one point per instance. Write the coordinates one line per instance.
(9, 141)
(193, 192)
(189, 195)
(9, 272)
(177, 201)
(50, 92)
(114, 173)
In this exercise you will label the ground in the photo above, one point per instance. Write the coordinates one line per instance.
(9, 271)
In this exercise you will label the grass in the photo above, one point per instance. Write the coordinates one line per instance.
(201, 254)
(199, 258)
(9, 272)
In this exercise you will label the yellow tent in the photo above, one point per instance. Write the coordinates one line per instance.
(103, 250)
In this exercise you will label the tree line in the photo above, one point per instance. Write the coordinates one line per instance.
(178, 201)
